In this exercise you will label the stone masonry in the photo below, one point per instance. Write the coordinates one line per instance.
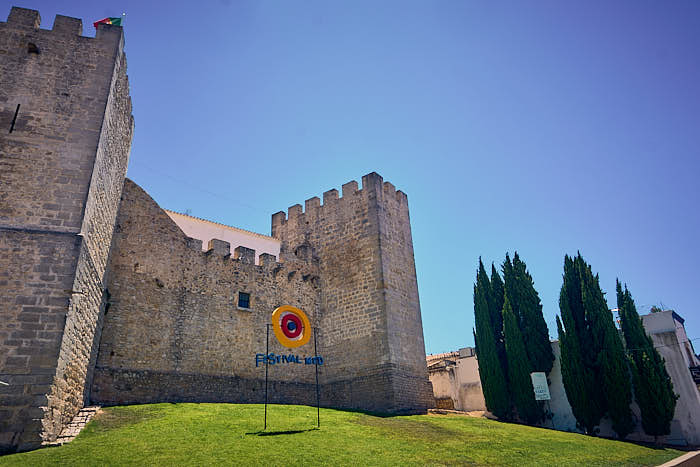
(73, 429)
(66, 126)
(369, 308)
(104, 300)
(173, 330)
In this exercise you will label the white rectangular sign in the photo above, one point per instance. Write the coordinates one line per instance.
(539, 384)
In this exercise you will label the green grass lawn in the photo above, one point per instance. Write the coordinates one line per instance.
(212, 434)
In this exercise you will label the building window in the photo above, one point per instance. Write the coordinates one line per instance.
(243, 300)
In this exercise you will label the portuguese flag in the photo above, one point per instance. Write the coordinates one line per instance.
(112, 21)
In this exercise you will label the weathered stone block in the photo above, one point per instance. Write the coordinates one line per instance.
(219, 247)
(244, 255)
(67, 25)
(267, 259)
(24, 17)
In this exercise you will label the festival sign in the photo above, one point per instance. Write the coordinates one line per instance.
(293, 329)
(291, 326)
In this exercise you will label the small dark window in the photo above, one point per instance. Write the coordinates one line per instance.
(243, 300)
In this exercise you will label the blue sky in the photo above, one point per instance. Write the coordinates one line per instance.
(544, 127)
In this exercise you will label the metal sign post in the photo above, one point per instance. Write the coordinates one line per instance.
(318, 392)
(292, 329)
(267, 352)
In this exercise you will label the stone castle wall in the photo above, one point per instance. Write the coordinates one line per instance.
(173, 330)
(104, 298)
(65, 99)
(370, 314)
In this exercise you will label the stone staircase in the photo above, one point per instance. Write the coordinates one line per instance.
(75, 426)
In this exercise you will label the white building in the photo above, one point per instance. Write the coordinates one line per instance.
(205, 230)
(456, 383)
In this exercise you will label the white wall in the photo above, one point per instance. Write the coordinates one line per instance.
(563, 418)
(205, 230)
(688, 404)
(460, 382)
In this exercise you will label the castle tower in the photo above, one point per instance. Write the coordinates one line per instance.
(65, 136)
(370, 313)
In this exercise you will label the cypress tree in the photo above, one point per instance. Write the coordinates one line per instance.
(613, 372)
(594, 367)
(493, 378)
(519, 369)
(527, 307)
(496, 310)
(653, 389)
(578, 369)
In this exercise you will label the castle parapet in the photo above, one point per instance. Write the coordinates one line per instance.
(330, 196)
(219, 247)
(24, 17)
(266, 260)
(372, 180)
(312, 203)
(67, 25)
(294, 211)
(372, 185)
(194, 243)
(350, 188)
(244, 255)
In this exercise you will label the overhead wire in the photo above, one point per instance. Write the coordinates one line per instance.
(198, 188)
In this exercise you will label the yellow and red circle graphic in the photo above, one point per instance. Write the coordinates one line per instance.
(291, 325)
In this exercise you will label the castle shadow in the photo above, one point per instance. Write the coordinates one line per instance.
(275, 433)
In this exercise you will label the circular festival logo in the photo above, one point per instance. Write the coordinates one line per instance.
(291, 325)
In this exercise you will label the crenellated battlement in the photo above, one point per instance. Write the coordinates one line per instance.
(302, 262)
(24, 17)
(372, 186)
(66, 26)
(361, 238)
(183, 294)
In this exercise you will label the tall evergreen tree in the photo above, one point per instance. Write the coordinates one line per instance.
(614, 373)
(653, 389)
(493, 379)
(496, 310)
(527, 307)
(594, 367)
(578, 369)
(519, 369)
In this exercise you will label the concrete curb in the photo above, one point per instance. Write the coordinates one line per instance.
(690, 459)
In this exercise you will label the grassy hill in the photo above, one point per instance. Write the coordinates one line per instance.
(215, 434)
